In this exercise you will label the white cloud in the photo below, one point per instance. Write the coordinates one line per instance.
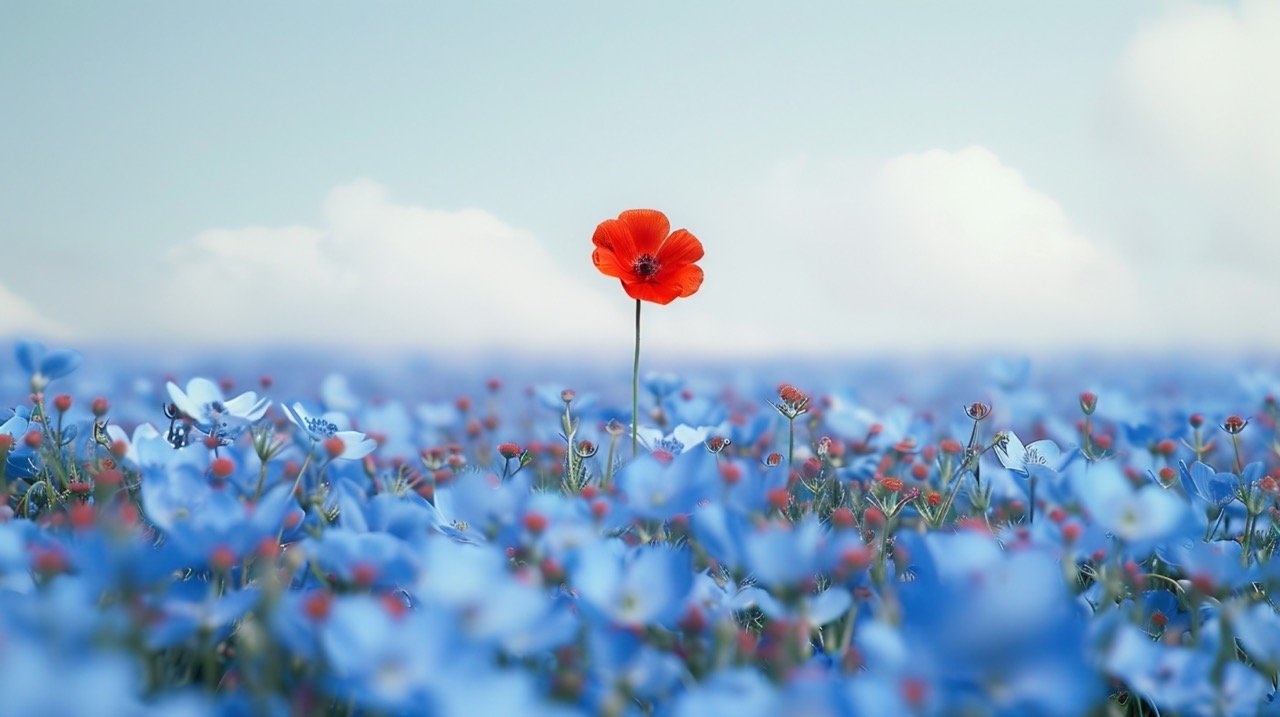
(1197, 103)
(383, 274)
(935, 250)
(19, 318)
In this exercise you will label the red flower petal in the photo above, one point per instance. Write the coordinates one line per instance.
(607, 262)
(679, 249)
(657, 293)
(649, 228)
(612, 235)
(684, 280)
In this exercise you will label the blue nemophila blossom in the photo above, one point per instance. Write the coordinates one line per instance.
(197, 518)
(996, 628)
(1138, 517)
(382, 660)
(213, 413)
(1041, 459)
(1174, 677)
(680, 439)
(659, 486)
(43, 365)
(638, 587)
(1210, 486)
(318, 429)
(19, 458)
(476, 508)
(1258, 629)
(785, 555)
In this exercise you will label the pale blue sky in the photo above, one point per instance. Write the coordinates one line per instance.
(130, 128)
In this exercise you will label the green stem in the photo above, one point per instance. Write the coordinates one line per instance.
(635, 386)
(791, 445)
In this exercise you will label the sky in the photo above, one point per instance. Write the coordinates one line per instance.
(866, 178)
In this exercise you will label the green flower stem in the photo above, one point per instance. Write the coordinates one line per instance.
(635, 387)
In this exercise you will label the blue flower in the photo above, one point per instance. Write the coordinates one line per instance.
(222, 418)
(641, 587)
(355, 445)
(43, 365)
(1042, 459)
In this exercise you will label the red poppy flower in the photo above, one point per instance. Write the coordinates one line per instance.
(653, 263)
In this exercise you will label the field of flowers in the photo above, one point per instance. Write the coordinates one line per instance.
(991, 542)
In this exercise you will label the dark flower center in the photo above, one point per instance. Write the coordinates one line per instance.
(645, 266)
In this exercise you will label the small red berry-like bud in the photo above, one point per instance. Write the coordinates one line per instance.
(778, 498)
(493, 384)
(211, 442)
(1196, 420)
(49, 561)
(109, 478)
(842, 518)
(919, 471)
(914, 691)
(62, 402)
(1203, 583)
(100, 406)
(1102, 441)
(6, 442)
(463, 404)
(1057, 515)
(1269, 484)
(267, 548)
(730, 473)
(873, 517)
(977, 410)
(79, 487)
(119, 449)
(715, 444)
(1167, 475)
(535, 523)
(568, 395)
(222, 467)
(334, 446)
(891, 484)
(552, 572)
(364, 574)
(1166, 447)
(874, 430)
(934, 499)
(222, 558)
(791, 394)
(599, 509)
(82, 516)
(1159, 619)
(33, 439)
(773, 459)
(589, 492)
(1072, 531)
(693, 620)
(1088, 402)
(811, 468)
(317, 605)
(1234, 424)
(509, 450)
(906, 445)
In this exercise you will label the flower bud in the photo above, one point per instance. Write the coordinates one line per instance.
(1088, 402)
